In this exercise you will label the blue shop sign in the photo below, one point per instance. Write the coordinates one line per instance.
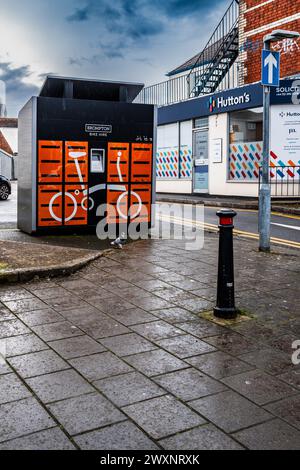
(249, 96)
(245, 97)
(288, 92)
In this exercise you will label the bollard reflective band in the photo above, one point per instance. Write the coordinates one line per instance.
(226, 221)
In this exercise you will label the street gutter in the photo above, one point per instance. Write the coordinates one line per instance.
(250, 205)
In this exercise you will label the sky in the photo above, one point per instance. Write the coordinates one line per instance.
(125, 40)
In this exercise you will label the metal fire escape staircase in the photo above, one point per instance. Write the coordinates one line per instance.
(219, 54)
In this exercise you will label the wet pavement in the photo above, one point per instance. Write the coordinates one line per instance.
(117, 356)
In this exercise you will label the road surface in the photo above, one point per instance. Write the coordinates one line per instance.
(285, 229)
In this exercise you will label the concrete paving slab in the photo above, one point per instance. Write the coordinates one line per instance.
(23, 417)
(189, 384)
(272, 435)
(51, 439)
(86, 412)
(206, 437)
(99, 366)
(163, 416)
(129, 388)
(122, 436)
(58, 385)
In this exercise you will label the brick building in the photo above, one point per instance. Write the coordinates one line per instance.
(4, 145)
(8, 147)
(9, 135)
(6, 122)
(258, 18)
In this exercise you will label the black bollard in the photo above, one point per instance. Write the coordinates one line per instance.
(225, 307)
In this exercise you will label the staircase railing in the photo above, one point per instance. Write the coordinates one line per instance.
(207, 80)
(214, 46)
(181, 88)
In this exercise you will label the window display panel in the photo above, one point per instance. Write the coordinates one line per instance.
(245, 144)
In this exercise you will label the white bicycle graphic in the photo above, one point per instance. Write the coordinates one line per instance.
(87, 192)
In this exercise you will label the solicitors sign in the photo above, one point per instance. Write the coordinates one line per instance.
(288, 91)
(285, 135)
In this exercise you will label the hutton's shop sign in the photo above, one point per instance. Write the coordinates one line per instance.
(249, 96)
(215, 104)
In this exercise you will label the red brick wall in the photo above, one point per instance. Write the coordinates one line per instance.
(8, 122)
(4, 145)
(265, 13)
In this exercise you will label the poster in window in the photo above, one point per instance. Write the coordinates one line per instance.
(217, 150)
(285, 136)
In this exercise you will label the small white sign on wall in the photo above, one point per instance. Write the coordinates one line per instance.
(217, 150)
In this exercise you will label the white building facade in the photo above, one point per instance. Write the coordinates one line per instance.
(213, 144)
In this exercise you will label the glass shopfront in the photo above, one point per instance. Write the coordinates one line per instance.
(245, 144)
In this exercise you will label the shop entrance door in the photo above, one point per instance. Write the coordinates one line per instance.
(200, 159)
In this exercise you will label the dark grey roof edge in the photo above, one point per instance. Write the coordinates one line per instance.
(83, 79)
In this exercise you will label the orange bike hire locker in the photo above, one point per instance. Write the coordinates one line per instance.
(84, 143)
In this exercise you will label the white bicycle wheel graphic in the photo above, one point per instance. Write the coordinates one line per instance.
(90, 203)
(54, 216)
(138, 210)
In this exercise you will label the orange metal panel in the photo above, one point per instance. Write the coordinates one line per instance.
(140, 203)
(49, 205)
(118, 162)
(75, 205)
(76, 162)
(117, 205)
(50, 158)
(141, 162)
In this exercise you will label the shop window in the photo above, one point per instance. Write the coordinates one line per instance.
(167, 161)
(245, 144)
(174, 151)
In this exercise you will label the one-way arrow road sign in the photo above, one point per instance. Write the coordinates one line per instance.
(270, 68)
